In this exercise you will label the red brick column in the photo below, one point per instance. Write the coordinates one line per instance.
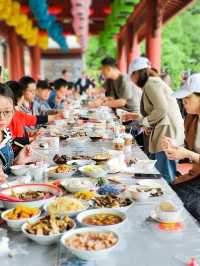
(122, 57)
(35, 57)
(15, 56)
(153, 40)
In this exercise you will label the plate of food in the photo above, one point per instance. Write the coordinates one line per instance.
(151, 183)
(112, 219)
(61, 171)
(48, 230)
(33, 195)
(139, 192)
(83, 242)
(85, 195)
(61, 159)
(112, 201)
(93, 171)
(66, 206)
(19, 215)
(101, 157)
(81, 157)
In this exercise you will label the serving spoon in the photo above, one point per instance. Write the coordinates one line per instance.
(9, 198)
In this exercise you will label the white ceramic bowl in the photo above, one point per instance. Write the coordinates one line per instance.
(145, 165)
(89, 255)
(95, 174)
(68, 213)
(16, 225)
(59, 175)
(30, 187)
(42, 239)
(80, 163)
(19, 170)
(75, 184)
(84, 214)
(138, 195)
(121, 209)
(169, 216)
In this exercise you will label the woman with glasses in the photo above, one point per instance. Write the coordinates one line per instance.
(7, 157)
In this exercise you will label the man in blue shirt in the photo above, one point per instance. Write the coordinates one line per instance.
(40, 103)
(57, 96)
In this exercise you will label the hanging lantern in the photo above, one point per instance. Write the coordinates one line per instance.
(14, 15)
(107, 10)
(54, 10)
(25, 9)
(6, 11)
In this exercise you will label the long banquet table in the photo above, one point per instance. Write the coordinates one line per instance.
(142, 242)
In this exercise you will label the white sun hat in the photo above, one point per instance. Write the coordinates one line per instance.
(191, 86)
(138, 64)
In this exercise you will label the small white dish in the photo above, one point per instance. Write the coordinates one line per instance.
(155, 217)
(138, 195)
(150, 183)
(80, 163)
(94, 171)
(16, 225)
(75, 184)
(55, 175)
(19, 170)
(169, 215)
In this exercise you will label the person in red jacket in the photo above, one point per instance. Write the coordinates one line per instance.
(21, 120)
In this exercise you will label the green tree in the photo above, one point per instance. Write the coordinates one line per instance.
(180, 46)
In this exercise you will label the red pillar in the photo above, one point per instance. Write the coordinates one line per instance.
(15, 56)
(153, 41)
(134, 51)
(35, 57)
(122, 57)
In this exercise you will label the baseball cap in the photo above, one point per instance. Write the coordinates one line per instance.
(191, 85)
(138, 64)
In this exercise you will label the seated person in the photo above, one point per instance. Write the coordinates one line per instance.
(57, 96)
(40, 103)
(187, 186)
(7, 157)
(120, 91)
(29, 89)
(21, 120)
(83, 84)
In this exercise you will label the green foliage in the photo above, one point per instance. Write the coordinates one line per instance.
(96, 52)
(180, 46)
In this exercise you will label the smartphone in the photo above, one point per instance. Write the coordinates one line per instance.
(147, 176)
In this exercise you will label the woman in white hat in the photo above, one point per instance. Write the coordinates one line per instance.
(160, 115)
(187, 186)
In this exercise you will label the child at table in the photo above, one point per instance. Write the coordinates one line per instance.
(7, 157)
(40, 103)
(21, 120)
(29, 91)
(57, 97)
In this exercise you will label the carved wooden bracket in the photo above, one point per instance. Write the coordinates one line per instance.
(158, 11)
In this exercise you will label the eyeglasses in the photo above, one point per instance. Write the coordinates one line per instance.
(6, 114)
